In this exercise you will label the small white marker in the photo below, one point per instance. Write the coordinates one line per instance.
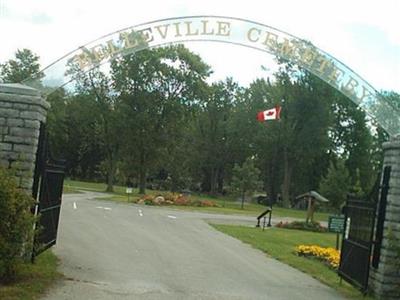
(140, 213)
(171, 217)
(99, 207)
(75, 205)
(107, 208)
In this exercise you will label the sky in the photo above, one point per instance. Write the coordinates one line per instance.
(363, 34)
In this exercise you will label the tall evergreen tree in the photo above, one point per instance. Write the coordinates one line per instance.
(245, 179)
(25, 65)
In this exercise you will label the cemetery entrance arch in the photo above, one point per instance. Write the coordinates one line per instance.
(240, 32)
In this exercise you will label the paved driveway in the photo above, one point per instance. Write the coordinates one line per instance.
(117, 251)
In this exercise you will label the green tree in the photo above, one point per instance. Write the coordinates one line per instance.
(300, 138)
(97, 87)
(353, 141)
(156, 88)
(245, 179)
(25, 65)
(263, 139)
(75, 131)
(292, 153)
(336, 184)
(211, 134)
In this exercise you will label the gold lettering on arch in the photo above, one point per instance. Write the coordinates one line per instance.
(287, 49)
(240, 32)
(250, 36)
(189, 29)
(350, 86)
(162, 30)
(224, 28)
(205, 27)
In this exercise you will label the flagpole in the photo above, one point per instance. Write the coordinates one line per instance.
(279, 143)
(276, 156)
(269, 198)
(263, 116)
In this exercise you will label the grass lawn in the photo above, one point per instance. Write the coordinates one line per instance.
(227, 205)
(280, 244)
(73, 186)
(34, 279)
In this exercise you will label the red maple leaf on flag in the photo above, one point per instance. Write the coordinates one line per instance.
(270, 113)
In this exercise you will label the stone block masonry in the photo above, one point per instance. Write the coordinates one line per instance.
(385, 280)
(22, 109)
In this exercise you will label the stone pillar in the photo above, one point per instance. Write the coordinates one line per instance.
(22, 108)
(385, 280)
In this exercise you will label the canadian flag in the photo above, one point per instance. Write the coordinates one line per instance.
(270, 114)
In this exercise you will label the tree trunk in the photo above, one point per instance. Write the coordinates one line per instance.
(221, 181)
(174, 186)
(142, 174)
(214, 179)
(110, 173)
(142, 181)
(286, 180)
(270, 188)
(206, 182)
(243, 194)
(110, 182)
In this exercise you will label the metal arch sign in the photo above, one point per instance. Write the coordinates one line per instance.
(234, 31)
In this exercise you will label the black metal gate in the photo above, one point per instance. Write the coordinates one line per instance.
(357, 242)
(381, 216)
(355, 256)
(48, 184)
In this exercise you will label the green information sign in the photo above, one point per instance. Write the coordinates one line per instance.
(336, 224)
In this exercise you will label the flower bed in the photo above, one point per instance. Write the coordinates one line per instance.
(330, 256)
(174, 199)
(311, 226)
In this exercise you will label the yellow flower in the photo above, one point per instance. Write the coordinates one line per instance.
(329, 255)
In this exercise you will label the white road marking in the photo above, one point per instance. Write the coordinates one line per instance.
(75, 205)
(171, 217)
(105, 208)
(140, 213)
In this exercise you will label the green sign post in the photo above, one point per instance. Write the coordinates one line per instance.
(336, 224)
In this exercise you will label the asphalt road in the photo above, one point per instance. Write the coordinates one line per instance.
(117, 251)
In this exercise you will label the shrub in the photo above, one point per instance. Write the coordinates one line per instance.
(208, 203)
(16, 223)
(182, 200)
(133, 199)
(146, 199)
(148, 202)
(300, 225)
(168, 196)
(196, 203)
